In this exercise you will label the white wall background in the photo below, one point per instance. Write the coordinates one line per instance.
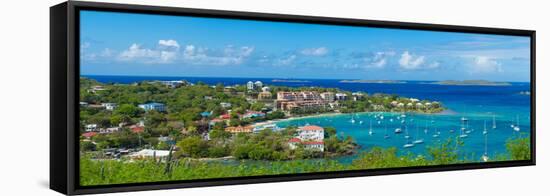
(24, 99)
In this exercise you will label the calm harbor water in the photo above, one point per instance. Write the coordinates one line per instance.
(479, 104)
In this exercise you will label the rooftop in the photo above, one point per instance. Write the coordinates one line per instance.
(311, 128)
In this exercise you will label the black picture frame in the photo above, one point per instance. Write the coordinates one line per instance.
(64, 92)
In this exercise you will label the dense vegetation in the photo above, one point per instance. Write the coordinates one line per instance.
(183, 121)
(98, 172)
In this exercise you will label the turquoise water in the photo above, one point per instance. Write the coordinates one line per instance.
(422, 126)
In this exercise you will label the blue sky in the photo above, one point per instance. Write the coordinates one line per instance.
(159, 45)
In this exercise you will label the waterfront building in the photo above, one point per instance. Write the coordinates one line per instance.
(314, 145)
(311, 133)
(266, 89)
(310, 145)
(293, 143)
(153, 106)
(287, 101)
(150, 153)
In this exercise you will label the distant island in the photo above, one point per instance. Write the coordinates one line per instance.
(470, 83)
(295, 81)
(374, 81)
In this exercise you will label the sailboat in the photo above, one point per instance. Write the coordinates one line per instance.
(418, 140)
(516, 128)
(468, 130)
(398, 131)
(494, 122)
(462, 129)
(485, 127)
(408, 144)
(436, 133)
(485, 156)
(352, 119)
(370, 129)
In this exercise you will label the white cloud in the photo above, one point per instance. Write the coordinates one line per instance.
(379, 59)
(321, 51)
(136, 52)
(107, 53)
(433, 65)
(168, 51)
(169, 44)
(288, 60)
(484, 64)
(229, 56)
(411, 62)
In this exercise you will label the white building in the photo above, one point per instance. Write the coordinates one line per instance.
(311, 145)
(314, 145)
(153, 106)
(266, 89)
(258, 84)
(327, 96)
(311, 133)
(341, 96)
(273, 127)
(91, 127)
(225, 105)
(109, 106)
(250, 85)
(149, 153)
(109, 130)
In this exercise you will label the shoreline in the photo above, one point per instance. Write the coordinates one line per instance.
(257, 124)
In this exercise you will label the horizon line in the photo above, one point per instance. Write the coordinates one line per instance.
(292, 78)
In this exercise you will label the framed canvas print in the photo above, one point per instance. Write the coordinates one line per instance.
(146, 97)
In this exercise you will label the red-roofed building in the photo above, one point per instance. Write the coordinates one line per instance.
(89, 134)
(312, 145)
(294, 140)
(216, 120)
(225, 116)
(315, 145)
(311, 132)
(137, 129)
(311, 128)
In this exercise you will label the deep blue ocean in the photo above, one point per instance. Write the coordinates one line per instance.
(479, 104)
